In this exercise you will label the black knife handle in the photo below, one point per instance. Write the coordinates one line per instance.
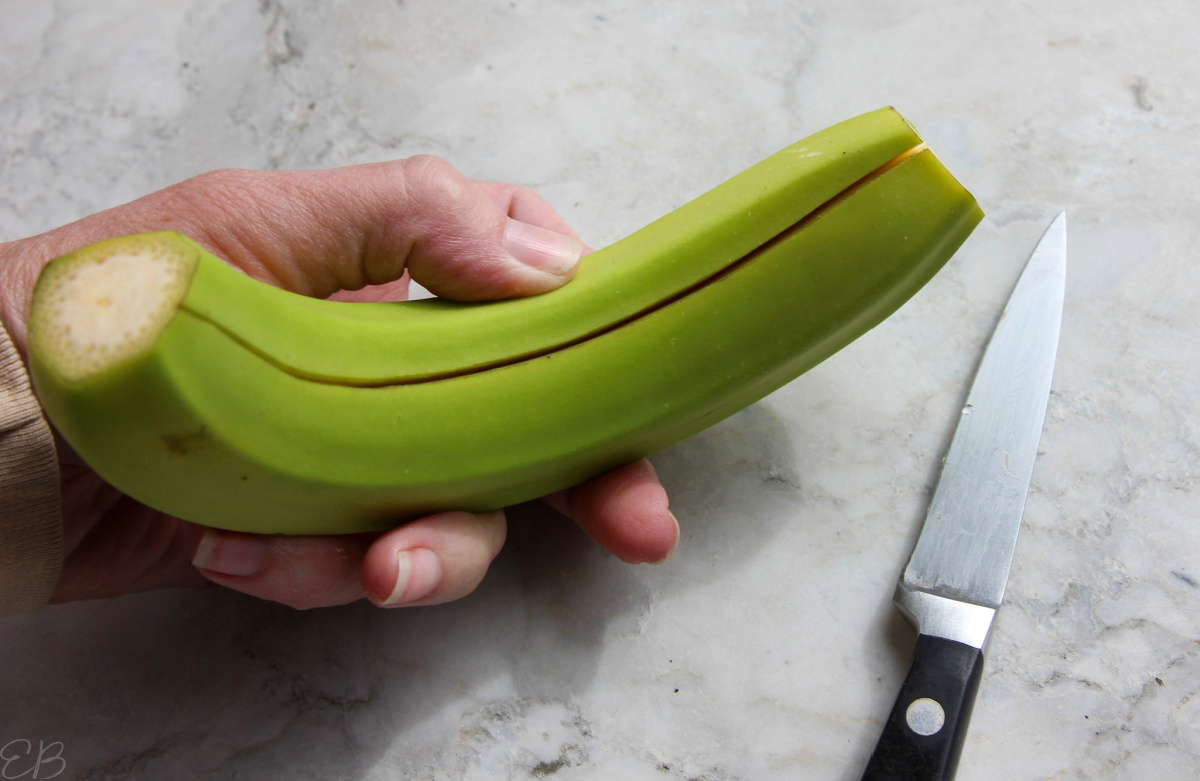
(940, 687)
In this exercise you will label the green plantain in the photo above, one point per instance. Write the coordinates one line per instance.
(228, 402)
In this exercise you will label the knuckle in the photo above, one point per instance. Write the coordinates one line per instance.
(429, 178)
(428, 167)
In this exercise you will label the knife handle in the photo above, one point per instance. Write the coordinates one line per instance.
(924, 733)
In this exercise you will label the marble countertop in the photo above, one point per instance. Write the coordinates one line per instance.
(767, 647)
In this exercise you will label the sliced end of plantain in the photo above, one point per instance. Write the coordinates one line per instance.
(108, 303)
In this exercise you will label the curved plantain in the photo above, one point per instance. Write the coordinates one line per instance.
(222, 400)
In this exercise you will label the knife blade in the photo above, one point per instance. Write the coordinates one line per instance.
(954, 583)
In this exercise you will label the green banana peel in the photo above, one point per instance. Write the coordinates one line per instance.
(233, 404)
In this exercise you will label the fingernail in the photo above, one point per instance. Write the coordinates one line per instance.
(674, 543)
(418, 573)
(542, 249)
(230, 553)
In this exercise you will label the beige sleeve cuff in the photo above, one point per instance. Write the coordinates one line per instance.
(31, 545)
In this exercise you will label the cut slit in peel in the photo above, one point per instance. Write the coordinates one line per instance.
(113, 299)
(237, 405)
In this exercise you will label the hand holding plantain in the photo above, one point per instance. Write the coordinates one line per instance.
(354, 234)
(237, 405)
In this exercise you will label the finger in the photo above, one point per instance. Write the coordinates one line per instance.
(470, 248)
(626, 511)
(433, 560)
(114, 545)
(521, 203)
(302, 572)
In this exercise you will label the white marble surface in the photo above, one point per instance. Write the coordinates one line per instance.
(767, 647)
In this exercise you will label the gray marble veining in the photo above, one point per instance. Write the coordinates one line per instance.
(768, 646)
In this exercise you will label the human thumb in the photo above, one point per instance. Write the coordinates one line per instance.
(454, 239)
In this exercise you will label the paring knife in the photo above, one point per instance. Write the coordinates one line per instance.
(955, 580)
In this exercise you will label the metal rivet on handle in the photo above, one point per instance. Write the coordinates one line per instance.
(925, 716)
